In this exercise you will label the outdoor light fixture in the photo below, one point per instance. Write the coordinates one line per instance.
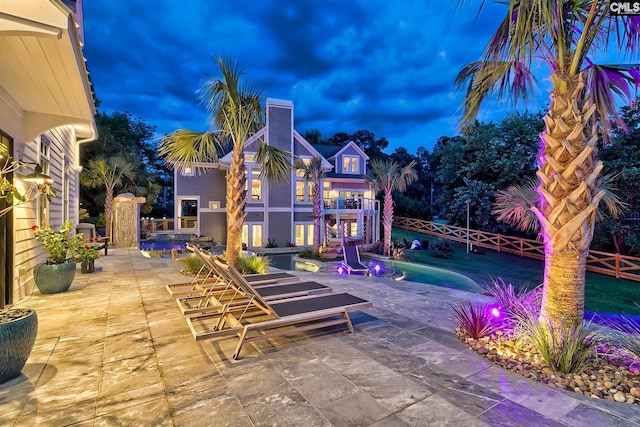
(37, 176)
(495, 312)
(377, 269)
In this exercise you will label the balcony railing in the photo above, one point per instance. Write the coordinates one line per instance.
(351, 203)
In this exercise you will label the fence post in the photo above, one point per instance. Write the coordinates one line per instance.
(521, 247)
(498, 242)
(617, 265)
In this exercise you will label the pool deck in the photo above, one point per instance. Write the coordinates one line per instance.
(115, 350)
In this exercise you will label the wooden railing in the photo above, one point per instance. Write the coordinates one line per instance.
(619, 266)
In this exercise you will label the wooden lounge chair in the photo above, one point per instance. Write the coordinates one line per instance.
(216, 299)
(258, 319)
(352, 260)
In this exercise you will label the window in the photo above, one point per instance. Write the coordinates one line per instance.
(249, 158)
(187, 171)
(188, 215)
(299, 234)
(43, 201)
(256, 239)
(310, 230)
(350, 164)
(310, 191)
(299, 191)
(65, 192)
(256, 189)
(245, 233)
(214, 206)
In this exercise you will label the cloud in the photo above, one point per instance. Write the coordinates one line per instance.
(387, 67)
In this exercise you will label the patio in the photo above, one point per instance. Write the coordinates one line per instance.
(115, 350)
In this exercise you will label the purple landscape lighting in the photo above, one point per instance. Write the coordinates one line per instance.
(376, 268)
(340, 270)
(495, 312)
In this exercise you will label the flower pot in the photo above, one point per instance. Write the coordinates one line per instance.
(17, 336)
(54, 278)
(87, 267)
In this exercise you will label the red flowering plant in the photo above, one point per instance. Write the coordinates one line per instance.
(86, 251)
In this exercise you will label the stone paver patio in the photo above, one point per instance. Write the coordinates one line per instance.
(115, 350)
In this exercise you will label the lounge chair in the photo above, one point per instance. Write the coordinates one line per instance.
(352, 260)
(217, 298)
(258, 319)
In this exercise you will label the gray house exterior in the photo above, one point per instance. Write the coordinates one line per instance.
(282, 213)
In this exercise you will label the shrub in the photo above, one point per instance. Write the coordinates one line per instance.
(515, 303)
(626, 334)
(290, 244)
(476, 321)
(193, 264)
(564, 348)
(443, 249)
(396, 250)
(254, 265)
(271, 243)
(309, 254)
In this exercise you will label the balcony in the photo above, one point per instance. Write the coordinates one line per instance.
(351, 205)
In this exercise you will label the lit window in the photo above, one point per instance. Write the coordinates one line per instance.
(249, 158)
(214, 205)
(256, 190)
(299, 191)
(187, 171)
(299, 234)
(350, 164)
(256, 240)
(326, 184)
(43, 201)
(310, 190)
(245, 233)
(310, 230)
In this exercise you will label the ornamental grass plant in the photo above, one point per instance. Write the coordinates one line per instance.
(254, 265)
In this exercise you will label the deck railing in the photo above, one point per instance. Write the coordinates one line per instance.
(610, 264)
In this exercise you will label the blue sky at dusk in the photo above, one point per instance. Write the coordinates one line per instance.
(387, 67)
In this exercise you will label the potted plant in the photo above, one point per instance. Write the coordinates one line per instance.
(58, 272)
(86, 254)
(18, 326)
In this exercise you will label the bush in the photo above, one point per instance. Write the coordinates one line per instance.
(476, 321)
(271, 243)
(254, 265)
(565, 348)
(443, 249)
(193, 265)
(516, 303)
(396, 250)
(626, 334)
(309, 254)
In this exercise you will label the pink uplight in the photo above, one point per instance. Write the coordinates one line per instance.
(495, 312)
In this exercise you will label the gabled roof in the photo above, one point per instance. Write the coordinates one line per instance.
(331, 151)
(43, 69)
(326, 165)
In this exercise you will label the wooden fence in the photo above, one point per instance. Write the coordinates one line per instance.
(619, 266)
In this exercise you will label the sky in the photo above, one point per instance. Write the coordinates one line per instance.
(383, 66)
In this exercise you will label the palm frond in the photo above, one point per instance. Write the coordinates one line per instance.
(186, 148)
(514, 204)
(276, 163)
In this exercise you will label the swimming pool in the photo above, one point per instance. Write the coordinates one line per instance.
(413, 272)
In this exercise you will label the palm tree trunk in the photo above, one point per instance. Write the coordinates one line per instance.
(387, 220)
(108, 213)
(236, 201)
(317, 213)
(567, 171)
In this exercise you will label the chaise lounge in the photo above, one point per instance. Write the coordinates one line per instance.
(259, 319)
(352, 260)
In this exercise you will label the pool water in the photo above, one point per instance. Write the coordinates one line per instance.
(413, 272)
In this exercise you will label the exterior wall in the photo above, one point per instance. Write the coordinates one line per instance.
(214, 224)
(349, 151)
(300, 150)
(280, 227)
(209, 185)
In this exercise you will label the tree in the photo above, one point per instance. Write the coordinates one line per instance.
(123, 133)
(110, 172)
(564, 34)
(389, 176)
(313, 173)
(236, 110)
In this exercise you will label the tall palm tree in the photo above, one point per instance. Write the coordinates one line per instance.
(389, 176)
(110, 172)
(563, 34)
(313, 173)
(236, 110)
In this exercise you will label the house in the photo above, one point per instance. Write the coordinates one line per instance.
(46, 111)
(281, 214)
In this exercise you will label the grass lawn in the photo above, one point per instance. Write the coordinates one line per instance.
(603, 293)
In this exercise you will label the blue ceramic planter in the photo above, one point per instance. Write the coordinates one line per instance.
(16, 342)
(54, 278)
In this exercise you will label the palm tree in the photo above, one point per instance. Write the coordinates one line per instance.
(236, 110)
(109, 172)
(313, 173)
(389, 176)
(582, 103)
